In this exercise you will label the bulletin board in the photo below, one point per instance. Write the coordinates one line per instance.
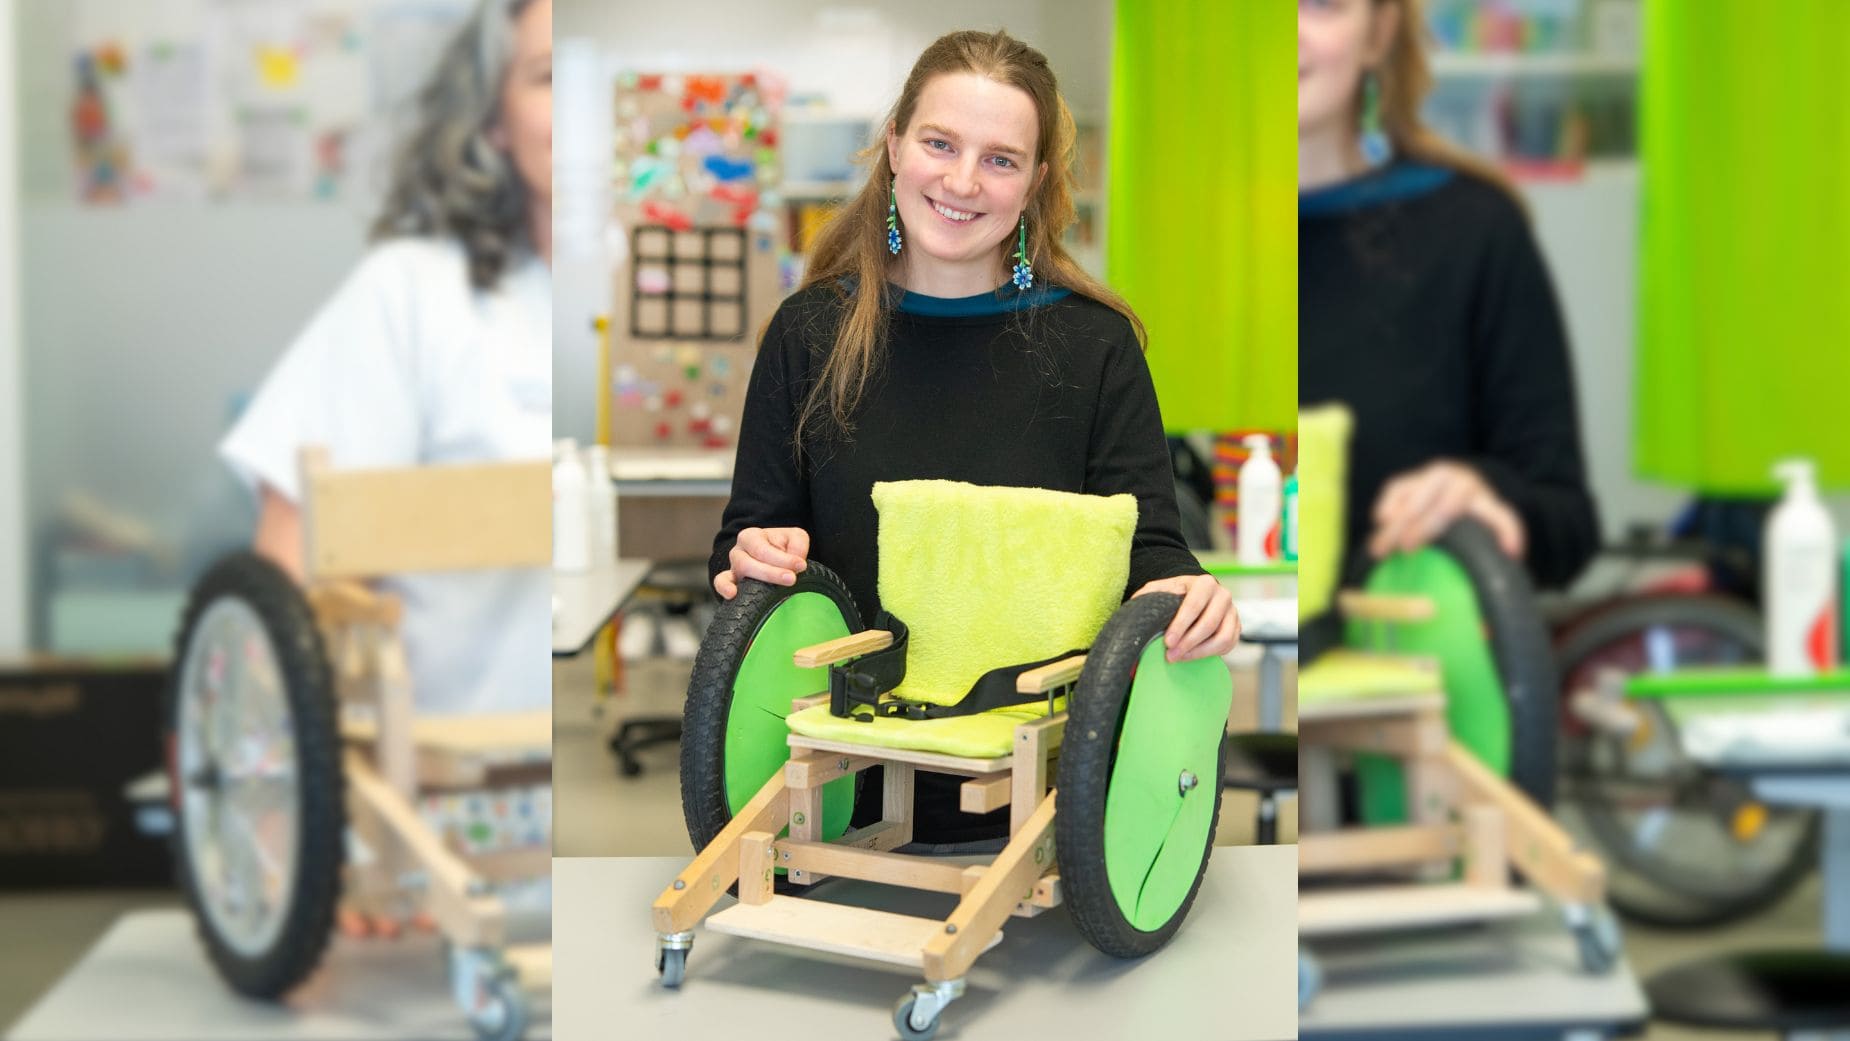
(277, 100)
(709, 260)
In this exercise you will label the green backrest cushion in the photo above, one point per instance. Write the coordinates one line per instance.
(986, 577)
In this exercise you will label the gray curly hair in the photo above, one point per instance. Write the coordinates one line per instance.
(448, 178)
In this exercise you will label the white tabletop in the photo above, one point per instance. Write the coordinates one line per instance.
(1229, 974)
(584, 600)
(1513, 980)
(147, 979)
(1268, 604)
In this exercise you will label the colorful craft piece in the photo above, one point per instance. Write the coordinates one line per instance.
(729, 169)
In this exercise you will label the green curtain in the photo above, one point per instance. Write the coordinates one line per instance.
(1201, 225)
(1744, 306)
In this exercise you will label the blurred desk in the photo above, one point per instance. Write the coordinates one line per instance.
(587, 599)
(1514, 980)
(669, 501)
(1227, 975)
(1266, 598)
(147, 979)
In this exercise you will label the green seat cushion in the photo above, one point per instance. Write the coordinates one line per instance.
(986, 735)
(1345, 675)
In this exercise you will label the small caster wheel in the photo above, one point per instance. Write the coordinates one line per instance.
(504, 1017)
(671, 965)
(631, 768)
(902, 1021)
(1597, 937)
(1310, 978)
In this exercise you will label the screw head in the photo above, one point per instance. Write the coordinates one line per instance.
(842, 763)
(950, 927)
(678, 884)
(797, 818)
(1187, 781)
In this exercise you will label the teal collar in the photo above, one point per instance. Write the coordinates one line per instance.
(1003, 300)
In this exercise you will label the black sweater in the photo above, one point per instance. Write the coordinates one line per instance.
(1424, 305)
(1050, 396)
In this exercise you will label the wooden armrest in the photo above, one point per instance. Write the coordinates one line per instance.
(1050, 677)
(851, 646)
(343, 601)
(1382, 607)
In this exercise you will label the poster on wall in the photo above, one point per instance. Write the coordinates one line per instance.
(276, 100)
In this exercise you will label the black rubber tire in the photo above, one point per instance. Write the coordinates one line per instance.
(704, 805)
(289, 622)
(1675, 904)
(1522, 649)
(1087, 755)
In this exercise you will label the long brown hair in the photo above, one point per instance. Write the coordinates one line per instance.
(850, 255)
(1406, 79)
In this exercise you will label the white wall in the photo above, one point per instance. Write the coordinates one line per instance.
(12, 425)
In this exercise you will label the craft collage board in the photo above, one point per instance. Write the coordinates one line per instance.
(696, 194)
(273, 100)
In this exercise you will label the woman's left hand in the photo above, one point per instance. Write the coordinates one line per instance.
(1205, 625)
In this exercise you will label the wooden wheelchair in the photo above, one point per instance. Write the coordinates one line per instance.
(1124, 745)
(289, 716)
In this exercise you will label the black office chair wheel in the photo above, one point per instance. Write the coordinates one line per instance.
(255, 763)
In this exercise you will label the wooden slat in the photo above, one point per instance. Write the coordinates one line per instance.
(808, 700)
(896, 790)
(894, 869)
(1035, 740)
(1540, 848)
(1417, 731)
(806, 823)
(755, 860)
(714, 869)
(986, 793)
(347, 602)
(496, 737)
(1051, 677)
(851, 646)
(1383, 607)
(1318, 712)
(1009, 880)
(1391, 908)
(815, 769)
(1359, 849)
(366, 523)
(532, 965)
(466, 919)
(818, 925)
(882, 834)
(949, 764)
(1486, 850)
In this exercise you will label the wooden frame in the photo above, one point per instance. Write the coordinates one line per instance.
(1461, 816)
(362, 524)
(1022, 880)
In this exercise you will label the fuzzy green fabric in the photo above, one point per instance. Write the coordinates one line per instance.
(986, 735)
(987, 577)
(1323, 454)
(984, 578)
(1344, 675)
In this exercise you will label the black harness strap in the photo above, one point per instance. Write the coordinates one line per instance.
(857, 685)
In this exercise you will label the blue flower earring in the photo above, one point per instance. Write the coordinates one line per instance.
(892, 219)
(1377, 148)
(1024, 272)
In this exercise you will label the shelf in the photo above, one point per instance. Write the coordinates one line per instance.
(1457, 64)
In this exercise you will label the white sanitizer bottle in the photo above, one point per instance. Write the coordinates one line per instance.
(1260, 504)
(571, 508)
(1800, 576)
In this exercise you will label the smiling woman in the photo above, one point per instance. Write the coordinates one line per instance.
(944, 333)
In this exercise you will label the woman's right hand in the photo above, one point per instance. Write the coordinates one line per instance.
(772, 555)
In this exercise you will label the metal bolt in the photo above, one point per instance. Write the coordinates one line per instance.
(797, 819)
(950, 928)
(678, 884)
(786, 854)
(1187, 782)
(842, 763)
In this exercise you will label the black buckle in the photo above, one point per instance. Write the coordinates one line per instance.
(849, 689)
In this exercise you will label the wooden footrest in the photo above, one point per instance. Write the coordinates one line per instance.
(1410, 906)
(532, 964)
(858, 932)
